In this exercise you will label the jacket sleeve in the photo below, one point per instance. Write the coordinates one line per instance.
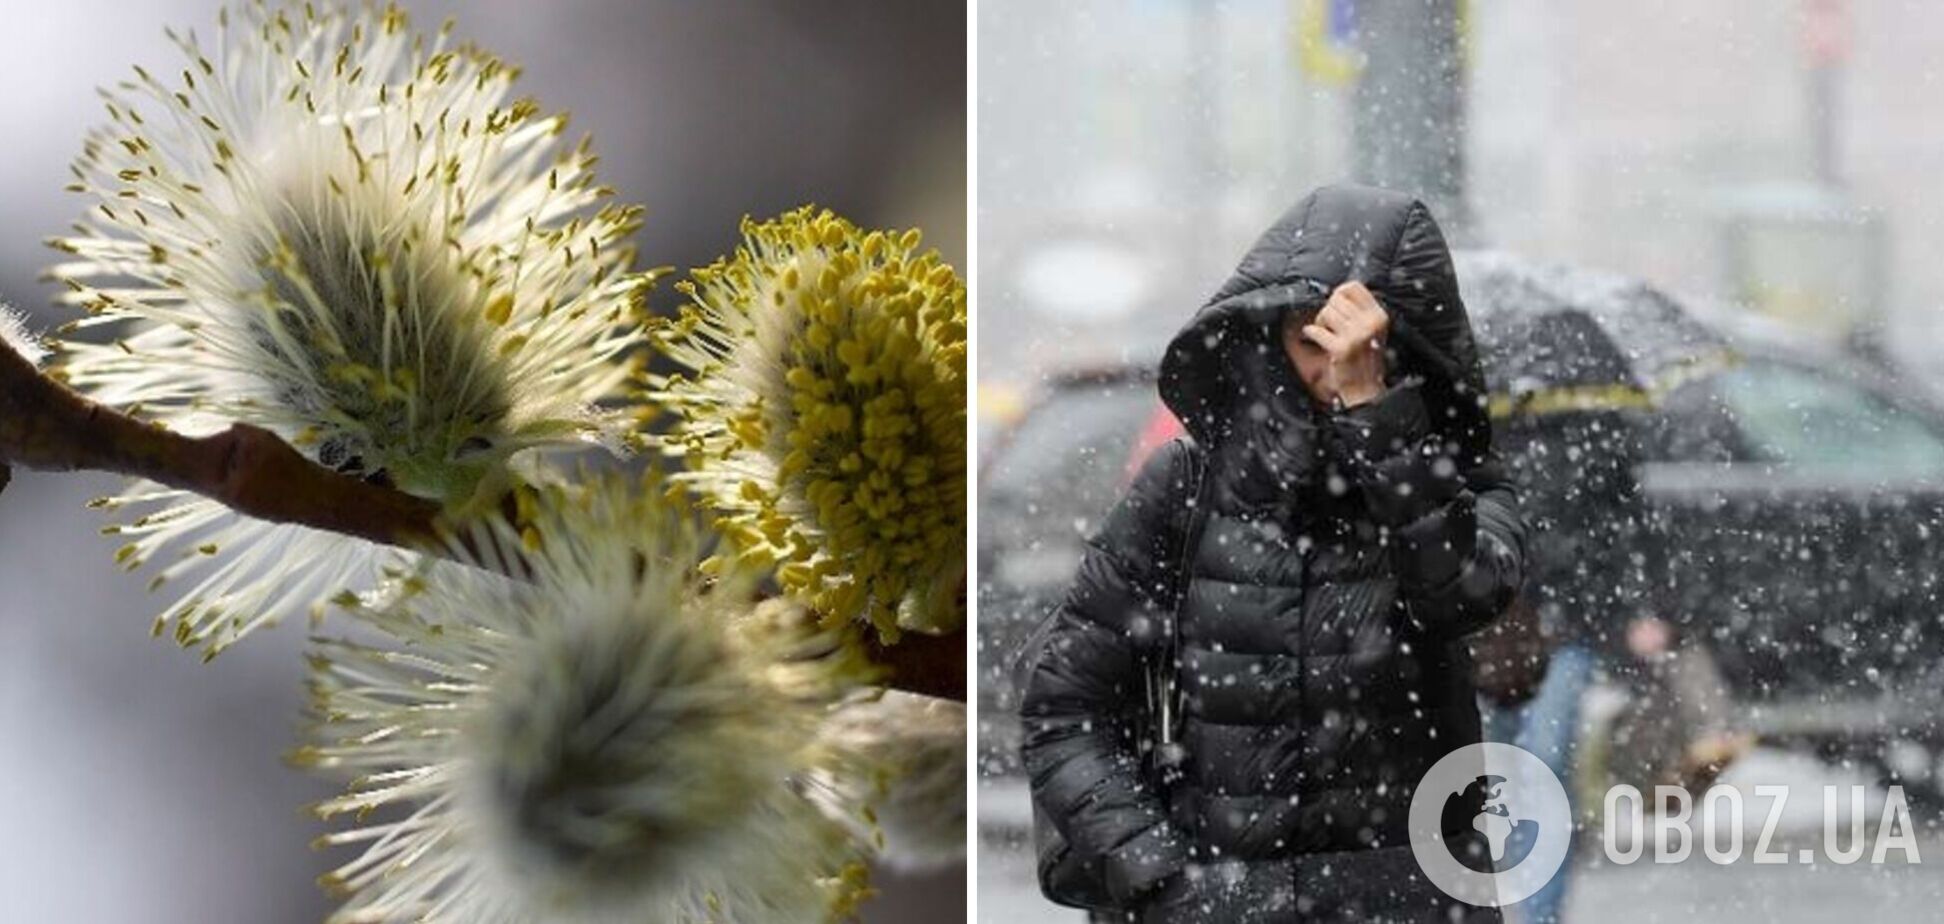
(1457, 536)
(1083, 769)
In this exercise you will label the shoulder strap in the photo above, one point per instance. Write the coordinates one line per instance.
(1192, 523)
(1167, 671)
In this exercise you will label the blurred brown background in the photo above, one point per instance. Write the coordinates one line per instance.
(146, 786)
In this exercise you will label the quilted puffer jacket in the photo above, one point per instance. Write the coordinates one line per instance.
(1341, 558)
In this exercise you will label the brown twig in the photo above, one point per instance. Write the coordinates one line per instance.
(930, 664)
(48, 427)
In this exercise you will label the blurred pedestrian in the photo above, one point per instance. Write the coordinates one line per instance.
(1577, 477)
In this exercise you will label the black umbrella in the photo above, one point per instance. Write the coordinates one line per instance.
(1558, 339)
(1575, 363)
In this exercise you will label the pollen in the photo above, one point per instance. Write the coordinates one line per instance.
(822, 414)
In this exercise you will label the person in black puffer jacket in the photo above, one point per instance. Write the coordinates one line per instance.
(1356, 526)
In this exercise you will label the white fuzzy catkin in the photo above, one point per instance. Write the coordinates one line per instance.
(351, 233)
(895, 771)
(599, 743)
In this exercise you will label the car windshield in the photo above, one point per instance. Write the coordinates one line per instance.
(1819, 424)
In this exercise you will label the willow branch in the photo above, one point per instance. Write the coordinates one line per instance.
(46, 426)
(930, 664)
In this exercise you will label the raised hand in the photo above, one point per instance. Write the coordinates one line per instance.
(1351, 328)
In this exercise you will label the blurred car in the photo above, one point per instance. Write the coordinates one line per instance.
(1799, 504)
(1798, 498)
(1044, 482)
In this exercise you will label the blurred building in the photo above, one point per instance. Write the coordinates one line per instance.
(1777, 154)
(1684, 142)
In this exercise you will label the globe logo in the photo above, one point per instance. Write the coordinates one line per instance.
(1490, 824)
(1508, 839)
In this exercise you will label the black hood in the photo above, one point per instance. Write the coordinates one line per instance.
(1386, 240)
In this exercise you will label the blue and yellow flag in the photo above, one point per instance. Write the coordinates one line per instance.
(1327, 36)
(1326, 40)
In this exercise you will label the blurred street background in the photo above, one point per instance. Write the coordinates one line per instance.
(1767, 168)
(147, 786)
(1778, 154)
